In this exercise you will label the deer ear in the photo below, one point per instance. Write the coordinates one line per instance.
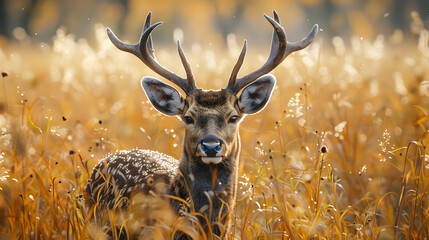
(255, 96)
(163, 97)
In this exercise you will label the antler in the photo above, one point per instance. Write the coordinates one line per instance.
(280, 49)
(144, 50)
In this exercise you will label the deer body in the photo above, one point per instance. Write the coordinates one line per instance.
(206, 175)
(131, 181)
(134, 171)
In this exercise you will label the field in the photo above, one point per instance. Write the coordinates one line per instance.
(338, 153)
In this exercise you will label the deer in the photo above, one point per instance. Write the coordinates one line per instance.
(207, 172)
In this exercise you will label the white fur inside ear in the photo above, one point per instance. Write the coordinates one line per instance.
(163, 97)
(255, 96)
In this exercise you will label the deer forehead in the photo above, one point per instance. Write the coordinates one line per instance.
(212, 102)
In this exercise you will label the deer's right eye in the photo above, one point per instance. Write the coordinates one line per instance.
(233, 119)
(188, 120)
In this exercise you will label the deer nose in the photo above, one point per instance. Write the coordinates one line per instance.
(211, 149)
(210, 146)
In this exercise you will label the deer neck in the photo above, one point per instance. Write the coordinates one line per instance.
(199, 177)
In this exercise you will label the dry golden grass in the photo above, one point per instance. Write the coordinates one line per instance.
(339, 152)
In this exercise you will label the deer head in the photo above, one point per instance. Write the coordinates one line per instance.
(212, 117)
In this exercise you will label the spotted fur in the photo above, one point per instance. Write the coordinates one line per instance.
(135, 182)
(130, 171)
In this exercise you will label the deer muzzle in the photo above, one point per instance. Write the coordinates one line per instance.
(211, 149)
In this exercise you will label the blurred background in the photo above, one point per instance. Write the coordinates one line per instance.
(207, 21)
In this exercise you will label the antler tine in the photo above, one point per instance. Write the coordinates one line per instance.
(296, 46)
(149, 42)
(131, 48)
(187, 66)
(144, 50)
(275, 39)
(278, 49)
(155, 66)
(233, 77)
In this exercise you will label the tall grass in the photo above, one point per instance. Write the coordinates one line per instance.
(339, 152)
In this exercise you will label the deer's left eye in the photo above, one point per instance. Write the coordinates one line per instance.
(233, 119)
(188, 120)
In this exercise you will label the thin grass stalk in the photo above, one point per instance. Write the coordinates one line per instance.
(374, 222)
(23, 225)
(404, 186)
(418, 166)
(306, 119)
(24, 104)
(319, 179)
(4, 75)
(244, 226)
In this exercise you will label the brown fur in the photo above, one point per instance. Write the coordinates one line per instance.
(211, 111)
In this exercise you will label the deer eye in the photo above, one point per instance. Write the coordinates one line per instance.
(233, 119)
(150, 181)
(188, 120)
